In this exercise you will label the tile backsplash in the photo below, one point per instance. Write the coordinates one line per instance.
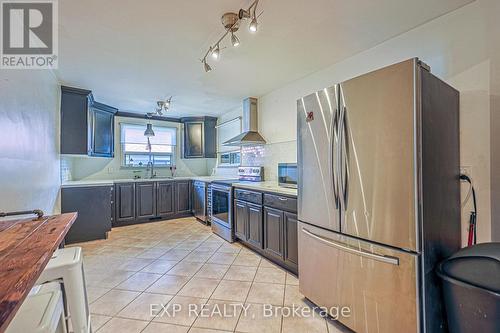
(269, 156)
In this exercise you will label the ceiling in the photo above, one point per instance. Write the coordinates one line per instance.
(131, 53)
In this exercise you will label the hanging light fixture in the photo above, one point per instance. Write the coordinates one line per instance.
(149, 131)
(231, 22)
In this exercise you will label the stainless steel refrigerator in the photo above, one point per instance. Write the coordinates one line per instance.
(379, 197)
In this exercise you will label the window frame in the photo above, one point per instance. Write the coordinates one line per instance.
(123, 153)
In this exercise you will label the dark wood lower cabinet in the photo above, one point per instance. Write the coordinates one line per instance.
(125, 203)
(273, 232)
(165, 199)
(183, 194)
(291, 253)
(254, 225)
(93, 205)
(145, 200)
(240, 219)
(268, 230)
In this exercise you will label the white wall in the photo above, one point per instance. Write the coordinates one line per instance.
(29, 141)
(83, 167)
(458, 47)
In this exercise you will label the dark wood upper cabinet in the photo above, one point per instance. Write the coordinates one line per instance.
(165, 199)
(194, 140)
(240, 219)
(291, 240)
(145, 200)
(87, 127)
(75, 104)
(183, 196)
(273, 232)
(254, 225)
(125, 202)
(200, 139)
(102, 130)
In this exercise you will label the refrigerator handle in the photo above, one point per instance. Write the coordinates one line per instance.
(343, 158)
(332, 150)
(370, 255)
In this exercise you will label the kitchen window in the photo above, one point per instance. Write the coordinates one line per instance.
(230, 159)
(135, 150)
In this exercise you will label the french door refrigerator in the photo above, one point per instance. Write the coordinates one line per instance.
(379, 197)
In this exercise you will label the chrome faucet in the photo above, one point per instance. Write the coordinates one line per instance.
(150, 168)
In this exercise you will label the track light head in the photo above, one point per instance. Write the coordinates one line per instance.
(235, 40)
(206, 66)
(253, 25)
(243, 14)
(216, 52)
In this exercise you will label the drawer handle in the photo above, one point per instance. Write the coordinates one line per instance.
(329, 242)
(282, 199)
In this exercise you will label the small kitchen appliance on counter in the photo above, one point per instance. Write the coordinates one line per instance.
(287, 175)
(221, 199)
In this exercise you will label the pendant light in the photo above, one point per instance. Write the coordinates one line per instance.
(149, 131)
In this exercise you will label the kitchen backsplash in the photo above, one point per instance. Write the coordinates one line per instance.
(269, 156)
(82, 167)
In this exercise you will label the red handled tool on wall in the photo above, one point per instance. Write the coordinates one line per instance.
(472, 237)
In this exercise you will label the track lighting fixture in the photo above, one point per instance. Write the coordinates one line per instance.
(161, 106)
(231, 22)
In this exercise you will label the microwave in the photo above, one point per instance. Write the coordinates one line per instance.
(287, 175)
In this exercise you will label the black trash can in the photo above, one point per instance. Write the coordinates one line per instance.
(471, 286)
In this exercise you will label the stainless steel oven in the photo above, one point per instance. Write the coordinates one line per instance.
(221, 200)
(221, 210)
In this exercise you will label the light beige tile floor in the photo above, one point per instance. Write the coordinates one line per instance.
(181, 263)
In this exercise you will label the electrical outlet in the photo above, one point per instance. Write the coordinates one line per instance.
(111, 170)
(466, 170)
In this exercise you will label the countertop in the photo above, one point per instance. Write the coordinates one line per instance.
(111, 182)
(27, 246)
(268, 186)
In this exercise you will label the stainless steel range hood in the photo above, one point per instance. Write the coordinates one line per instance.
(250, 135)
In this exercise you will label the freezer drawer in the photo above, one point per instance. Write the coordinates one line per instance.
(377, 283)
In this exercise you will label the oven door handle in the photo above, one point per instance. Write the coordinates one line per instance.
(221, 188)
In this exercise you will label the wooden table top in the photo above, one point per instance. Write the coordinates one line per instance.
(25, 248)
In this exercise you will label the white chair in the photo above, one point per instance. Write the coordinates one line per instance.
(67, 265)
(41, 312)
